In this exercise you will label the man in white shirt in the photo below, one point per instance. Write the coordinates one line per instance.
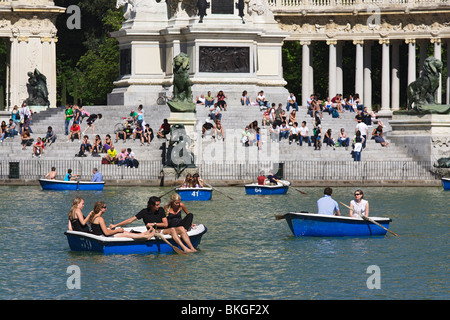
(284, 131)
(293, 134)
(291, 101)
(261, 99)
(304, 134)
(364, 129)
(130, 159)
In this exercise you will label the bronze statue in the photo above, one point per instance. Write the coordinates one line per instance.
(37, 89)
(182, 93)
(422, 92)
(202, 5)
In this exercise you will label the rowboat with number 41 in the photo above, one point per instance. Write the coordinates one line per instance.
(195, 194)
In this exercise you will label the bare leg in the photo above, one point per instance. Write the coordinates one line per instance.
(182, 232)
(177, 239)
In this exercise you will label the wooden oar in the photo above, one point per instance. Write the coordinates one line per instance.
(176, 249)
(218, 191)
(368, 219)
(280, 217)
(302, 192)
(171, 190)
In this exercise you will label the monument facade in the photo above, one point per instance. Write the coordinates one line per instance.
(30, 27)
(231, 48)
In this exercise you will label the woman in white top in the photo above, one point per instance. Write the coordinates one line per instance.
(360, 205)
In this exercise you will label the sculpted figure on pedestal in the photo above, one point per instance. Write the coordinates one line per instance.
(422, 92)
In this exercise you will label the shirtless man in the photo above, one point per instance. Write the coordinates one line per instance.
(51, 175)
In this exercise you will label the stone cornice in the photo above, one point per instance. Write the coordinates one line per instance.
(374, 28)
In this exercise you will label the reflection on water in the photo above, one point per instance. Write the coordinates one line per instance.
(246, 253)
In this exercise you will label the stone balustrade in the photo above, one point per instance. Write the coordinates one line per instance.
(354, 6)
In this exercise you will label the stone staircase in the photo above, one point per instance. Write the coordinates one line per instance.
(234, 121)
(236, 118)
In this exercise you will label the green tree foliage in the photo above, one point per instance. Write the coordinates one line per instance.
(88, 58)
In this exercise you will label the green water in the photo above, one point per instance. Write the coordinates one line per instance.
(246, 253)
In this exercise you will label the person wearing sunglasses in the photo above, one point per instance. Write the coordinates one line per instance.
(98, 225)
(359, 205)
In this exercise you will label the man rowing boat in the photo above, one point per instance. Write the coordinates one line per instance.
(326, 204)
(154, 216)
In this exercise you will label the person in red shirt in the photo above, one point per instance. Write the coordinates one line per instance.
(75, 130)
(262, 179)
(38, 147)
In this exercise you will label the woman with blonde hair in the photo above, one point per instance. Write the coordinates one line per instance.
(99, 228)
(181, 225)
(77, 221)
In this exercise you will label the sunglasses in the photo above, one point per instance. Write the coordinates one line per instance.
(104, 207)
(357, 194)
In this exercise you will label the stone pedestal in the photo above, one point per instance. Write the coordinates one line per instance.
(188, 119)
(426, 137)
(225, 53)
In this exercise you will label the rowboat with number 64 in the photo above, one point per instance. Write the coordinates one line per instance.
(267, 189)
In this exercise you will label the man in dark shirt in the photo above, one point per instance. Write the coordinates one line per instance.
(154, 216)
(125, 134)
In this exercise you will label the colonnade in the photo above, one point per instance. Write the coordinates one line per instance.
(390, 69)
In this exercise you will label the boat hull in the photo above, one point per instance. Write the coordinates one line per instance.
(195, 194)
(446, 183)
(48, 184)
(317, 225)
(82, 241)
(257, 189)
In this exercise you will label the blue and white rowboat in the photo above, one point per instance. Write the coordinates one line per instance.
(48, 184)
(267, 189)
(195, 194)
(83, 241)
(446, 183)
(319, 225)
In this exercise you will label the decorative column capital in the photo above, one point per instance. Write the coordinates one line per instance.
(305, 42)
(46, 39)
(410, 41)
(23, 39)
(331, 42)
(384, 41)
(356, 42)
(435, 40)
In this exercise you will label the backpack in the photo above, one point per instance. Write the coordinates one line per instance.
(335, 113)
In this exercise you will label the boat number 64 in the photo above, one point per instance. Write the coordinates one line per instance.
(257, 189)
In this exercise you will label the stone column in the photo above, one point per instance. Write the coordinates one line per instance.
(411, 59)
(368, 75)
(359, 69)
(438, 55)
(447, 95)
(311, 69)
(332, 68)
(305, 70)
(385, 86)
(339, 72)
(395, 73)
(423, 54)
